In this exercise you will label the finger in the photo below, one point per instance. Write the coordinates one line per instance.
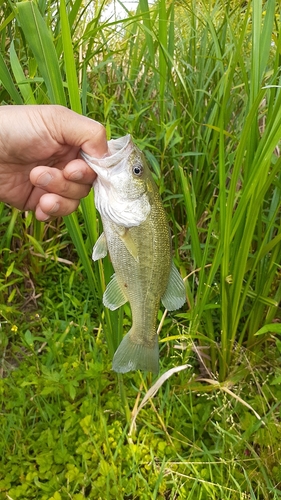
(53, 180)
(41, 216)
(52, 205)
(79, 171)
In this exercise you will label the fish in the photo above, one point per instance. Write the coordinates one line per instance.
(137, 237)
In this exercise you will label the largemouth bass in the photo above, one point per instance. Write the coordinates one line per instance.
(137, 237)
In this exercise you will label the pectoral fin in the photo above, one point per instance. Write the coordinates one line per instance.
(129, 243)
(175, 295)
(114, 296)
(100, 248)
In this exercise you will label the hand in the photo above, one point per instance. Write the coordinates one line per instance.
(40, 167)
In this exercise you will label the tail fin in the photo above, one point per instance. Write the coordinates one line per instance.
(131, 356)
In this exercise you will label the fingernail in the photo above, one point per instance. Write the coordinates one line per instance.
(54, 209)
(76, 176)
(44, 179)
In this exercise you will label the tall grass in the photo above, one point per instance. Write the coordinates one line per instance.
(198, 86)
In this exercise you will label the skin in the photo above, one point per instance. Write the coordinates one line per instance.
(40, 165)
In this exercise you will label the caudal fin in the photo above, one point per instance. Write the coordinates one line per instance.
(131, 356)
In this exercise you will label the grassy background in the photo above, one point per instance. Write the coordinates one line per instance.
(198, 86)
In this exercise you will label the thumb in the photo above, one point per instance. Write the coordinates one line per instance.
(80, 131)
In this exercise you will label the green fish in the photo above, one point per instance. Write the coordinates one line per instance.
(137, 237)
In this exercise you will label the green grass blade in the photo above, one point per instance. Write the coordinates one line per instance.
(69, 60)
(266, 37)
(40, 40)
(191, 221)
(76, 235)
(7, 21)
(8, 83)
(144, 9)
(163, 46)
(19, 75)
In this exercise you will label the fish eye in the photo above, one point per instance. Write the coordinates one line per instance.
(137, 169)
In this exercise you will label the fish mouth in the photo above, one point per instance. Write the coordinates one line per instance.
(118, 150)
(119, 146)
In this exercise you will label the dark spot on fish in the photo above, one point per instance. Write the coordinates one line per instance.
(125, 285)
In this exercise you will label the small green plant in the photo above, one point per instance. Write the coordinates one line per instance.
(64, 433)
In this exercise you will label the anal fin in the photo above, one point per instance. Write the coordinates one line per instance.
(114, 296)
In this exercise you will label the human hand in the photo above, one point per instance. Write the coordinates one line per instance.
(40, 167)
